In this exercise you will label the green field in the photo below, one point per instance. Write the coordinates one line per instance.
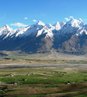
(24, 75)
(42, 82)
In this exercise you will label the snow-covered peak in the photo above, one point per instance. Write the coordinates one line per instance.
(34, 29)
(21, 31)
(5, 28)
(75, 22)
(57, 26)
(81, 31)
(71, 25)
(40, 23)
(50, 26)
(45, 30)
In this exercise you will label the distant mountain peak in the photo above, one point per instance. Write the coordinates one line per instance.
(57, 25)
(40, 23)
(75, 22)
(69, 36)
(7, 27)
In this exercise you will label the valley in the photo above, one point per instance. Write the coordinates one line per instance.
(43, 75)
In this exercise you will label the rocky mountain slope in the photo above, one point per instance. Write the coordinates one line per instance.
(66, 37)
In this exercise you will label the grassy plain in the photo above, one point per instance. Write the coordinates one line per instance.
(43, 75)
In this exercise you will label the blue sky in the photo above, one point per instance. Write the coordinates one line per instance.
(49, 11)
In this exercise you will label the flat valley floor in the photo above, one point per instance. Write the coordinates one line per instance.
(43, 75)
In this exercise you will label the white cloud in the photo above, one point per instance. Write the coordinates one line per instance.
(34, 20)
(17, 24)
(25, 18)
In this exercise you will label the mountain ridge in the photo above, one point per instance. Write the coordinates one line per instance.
(68, 37)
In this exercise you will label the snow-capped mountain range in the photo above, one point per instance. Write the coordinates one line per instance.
(69, 37)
